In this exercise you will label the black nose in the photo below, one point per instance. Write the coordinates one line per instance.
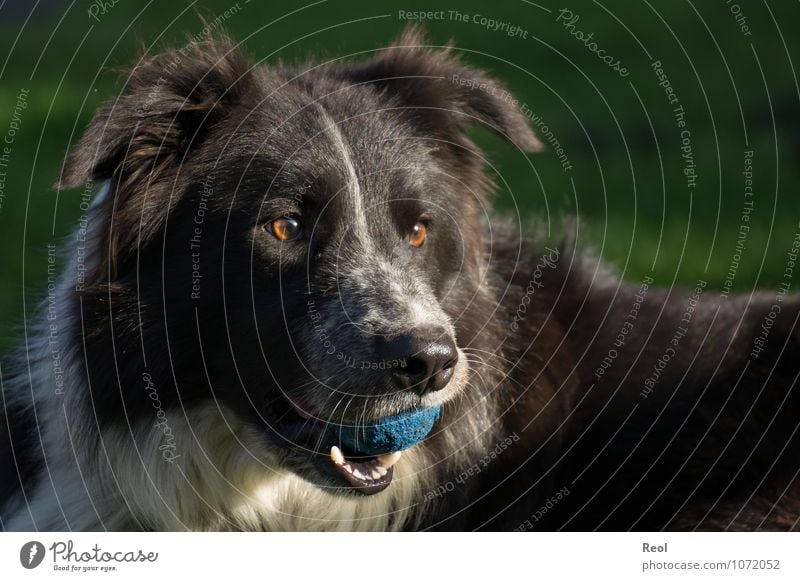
(422, 360)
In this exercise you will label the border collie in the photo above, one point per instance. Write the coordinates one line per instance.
(291, 307)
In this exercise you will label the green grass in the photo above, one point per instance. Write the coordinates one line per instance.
(626, 184)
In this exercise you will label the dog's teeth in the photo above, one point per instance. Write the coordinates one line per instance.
(375, 474)
(380, 470)
(357, 473)
(337, 456)
(349, 467)
(389, 460)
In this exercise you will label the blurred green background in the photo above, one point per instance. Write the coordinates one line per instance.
(626, 184)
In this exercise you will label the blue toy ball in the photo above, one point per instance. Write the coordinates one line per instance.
(390, 434)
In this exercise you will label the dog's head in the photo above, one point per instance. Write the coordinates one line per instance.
(299, 244)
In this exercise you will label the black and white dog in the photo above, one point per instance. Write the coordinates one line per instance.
(274, 252)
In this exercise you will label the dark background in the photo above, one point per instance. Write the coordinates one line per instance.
(626, 183)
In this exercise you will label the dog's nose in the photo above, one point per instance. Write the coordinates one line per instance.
(425, 359)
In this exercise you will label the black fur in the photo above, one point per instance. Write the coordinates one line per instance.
(201, 130)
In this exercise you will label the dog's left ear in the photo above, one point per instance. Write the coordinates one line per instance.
(438, 90)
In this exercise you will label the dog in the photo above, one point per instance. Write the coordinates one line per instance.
(289, 306)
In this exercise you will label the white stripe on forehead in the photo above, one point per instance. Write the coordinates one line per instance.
(353, 190)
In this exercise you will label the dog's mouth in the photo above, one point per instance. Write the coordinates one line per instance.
(363, 455)
(368, 475)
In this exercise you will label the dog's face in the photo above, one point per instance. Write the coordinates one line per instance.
(304, 244)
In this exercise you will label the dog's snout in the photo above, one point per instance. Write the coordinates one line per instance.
(426, 359)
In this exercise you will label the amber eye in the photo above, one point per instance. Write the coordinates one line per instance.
(285, 229)
(418, 234)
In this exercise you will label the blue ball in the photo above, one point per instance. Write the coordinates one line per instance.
(389, 434)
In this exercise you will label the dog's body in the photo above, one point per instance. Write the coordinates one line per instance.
(190, 324)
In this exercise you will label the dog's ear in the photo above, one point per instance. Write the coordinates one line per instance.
(439, 90)
(167, 102)
(140, 141)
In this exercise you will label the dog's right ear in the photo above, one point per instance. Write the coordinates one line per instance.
(139, 141)
(168, 101)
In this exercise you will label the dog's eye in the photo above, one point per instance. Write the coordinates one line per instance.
(285, 229)
(418, 235)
